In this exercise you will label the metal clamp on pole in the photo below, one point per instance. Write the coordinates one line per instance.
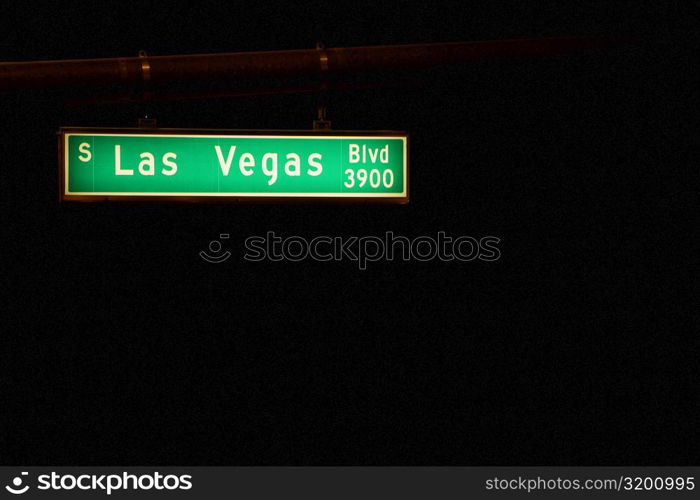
(146, 120)
(321, 123)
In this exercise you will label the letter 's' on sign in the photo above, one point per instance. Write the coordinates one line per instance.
(127, 164)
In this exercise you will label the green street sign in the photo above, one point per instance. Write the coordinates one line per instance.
(199, 165)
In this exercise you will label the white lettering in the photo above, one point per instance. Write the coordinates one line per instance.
(118, 162)
(166, 161)
(84, 148)
(226, 165)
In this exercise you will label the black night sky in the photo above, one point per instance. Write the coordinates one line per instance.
(577, 347)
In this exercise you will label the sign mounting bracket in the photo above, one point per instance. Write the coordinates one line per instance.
(321, 122)
(146, 119)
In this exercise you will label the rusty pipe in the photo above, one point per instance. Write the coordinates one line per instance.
(133, 72)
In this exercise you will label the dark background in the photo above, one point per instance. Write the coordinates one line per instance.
(579, 346)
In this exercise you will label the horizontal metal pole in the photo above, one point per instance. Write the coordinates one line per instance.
(139, 71)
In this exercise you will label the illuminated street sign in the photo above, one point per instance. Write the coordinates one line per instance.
(127, 164)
